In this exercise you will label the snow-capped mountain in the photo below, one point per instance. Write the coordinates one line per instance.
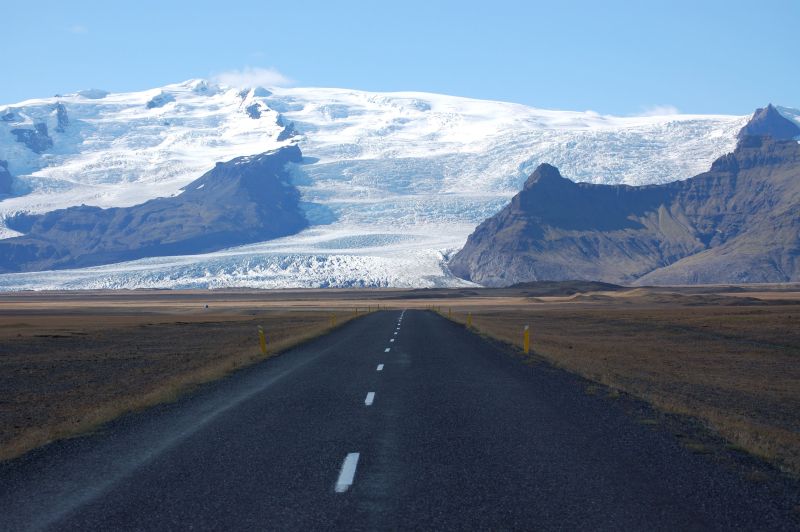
(393, 182)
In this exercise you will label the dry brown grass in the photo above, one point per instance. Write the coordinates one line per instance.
(735, 367)
(70, 361)
(66, 372)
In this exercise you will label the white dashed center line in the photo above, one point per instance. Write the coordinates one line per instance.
(347, 473)
(392, 340)
(379, 368)
(395, 333)
(370, 398)
(386, 350)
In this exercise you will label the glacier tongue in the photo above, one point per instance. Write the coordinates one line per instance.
(394, 182)
(355, 257)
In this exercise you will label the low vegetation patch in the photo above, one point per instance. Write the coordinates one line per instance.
(66, 372)
(733, 366)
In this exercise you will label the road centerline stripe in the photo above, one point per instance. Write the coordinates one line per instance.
(347, 473)
(370, 398)
(379, 368)
(386, 350)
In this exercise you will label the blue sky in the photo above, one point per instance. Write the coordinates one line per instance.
(700, 56)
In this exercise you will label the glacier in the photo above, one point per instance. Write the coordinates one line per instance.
(393, 183)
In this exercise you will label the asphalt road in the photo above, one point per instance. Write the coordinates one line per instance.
(450, 433)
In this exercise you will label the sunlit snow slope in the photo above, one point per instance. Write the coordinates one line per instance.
(394, 182)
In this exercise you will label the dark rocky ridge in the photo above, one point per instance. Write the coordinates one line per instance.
(564, 288)
(248, 199)
(737, 223)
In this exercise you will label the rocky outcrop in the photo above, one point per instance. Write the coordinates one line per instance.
(739, 222)
(5, 179)
(36, 139)
(248, 199)
(160, 100)
(61, 117)
(253, 111)
(288, 130)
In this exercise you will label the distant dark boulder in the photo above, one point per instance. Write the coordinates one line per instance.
(248, 199)
(5, 179)
(768, 122)
(37, 139)
(737, 223)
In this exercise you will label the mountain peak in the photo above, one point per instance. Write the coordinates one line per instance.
(544, 173)
(769, 122)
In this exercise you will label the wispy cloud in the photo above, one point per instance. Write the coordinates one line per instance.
(78, 29)
(660, 110)
(252, 77)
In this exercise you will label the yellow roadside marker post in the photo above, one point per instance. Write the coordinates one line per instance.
(262, 340)
(469, 319)
(526, 340)
(449, 312)
(333, 320)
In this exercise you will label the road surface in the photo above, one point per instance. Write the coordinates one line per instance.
(394, 421)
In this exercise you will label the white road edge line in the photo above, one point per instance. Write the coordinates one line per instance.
(370, 398)
(386, 350)
(379, 368)
(392, 340)
(347, 473)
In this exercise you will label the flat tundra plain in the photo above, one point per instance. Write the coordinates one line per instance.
(718, 364)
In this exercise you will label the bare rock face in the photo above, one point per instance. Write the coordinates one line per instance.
(768, 122)
(160, 100)
(62, 118)
(37, 139)
(248, 199)
(5, 179)
(739, 222)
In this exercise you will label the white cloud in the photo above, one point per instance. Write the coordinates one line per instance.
(660, 110)
(78, 29)
(252, 77)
